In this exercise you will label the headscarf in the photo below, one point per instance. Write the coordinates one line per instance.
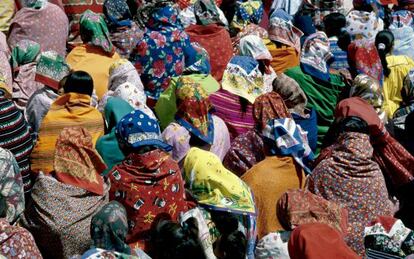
(273, 245)
(214, 186)
(137, 129)
(315, 55)
(206, 12)
(363, 25)
(364, 55)
(287, 138)
(51, 69)
(267, 107)
(95, 24)
(202, 63)
(250, 29)
(109, 228)
(297, 207)
(281, 14)
(370, 90)
(35, 4)
(242, 77)
(402, 18)
(407, 94)
(179, 138)
(293, 96)
(77, 162)
(158, 14)
(11, 186)
(26, 51)
(253, 46)
(193, 109)
(316, 240)
(117, 14)
(284, 32)
(122, 71)
(247, 12)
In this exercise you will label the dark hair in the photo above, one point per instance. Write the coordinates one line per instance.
(384, 42)
(173, 241)
(333, 24)
(244, 103)
(348, 124)
(86, 34)
(79, 82)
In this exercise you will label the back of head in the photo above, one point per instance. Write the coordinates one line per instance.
(333, 24)
(79, 82)
(384, 42)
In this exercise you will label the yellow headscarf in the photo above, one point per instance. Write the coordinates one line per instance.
(214, 186)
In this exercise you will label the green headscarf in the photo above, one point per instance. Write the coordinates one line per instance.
(107, 145)
(95, 24)
(26, 51)
(35, 4)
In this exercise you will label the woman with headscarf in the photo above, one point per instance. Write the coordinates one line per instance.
(65, 201)
(347, 174)
(321, 88)
(5, 68)
(242, 83)
(23, 61)
(124, 32)
(284, 44)
(219, 191)
(406, 106)
(403, 31)
(396, 68)
(97, 52)
(164, 51)
(41, 22)
(194, 124)
(148, 182)
(363, 23)
(249, 12)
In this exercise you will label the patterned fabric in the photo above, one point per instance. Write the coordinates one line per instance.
(247, 12)
(125, 39)
(51, 69)
(35, 4)
(163, 53)
(117, 14)
(290, 7)
(215, 187)
(77, 162)
(26, 51)
(206, 12)
(389, 235)
(363, 25)
(297, 207)
(137, 129)
(403, 41)
(364, 55)
(349, 177)
(17, 242)
(268, 107)
(293, 96)
(186, 3)
(287, 138)
(7, 10)
(284, 32)
(109, 228)
(60, 217)
(94, 24)
(47, 26)
(242, 77)
(5, 69)
(250, 29)
(341, 57)
(273, 246)
(318, 9)
(315, 55)
(402, 18)
(150, 186)
(11, 186)
(15, 136)
(202, 63)
(253, 46)
(193, 109)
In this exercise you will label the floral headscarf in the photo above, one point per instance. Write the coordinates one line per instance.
(363, 25)
(117, 13)
(95, 24)
(51, 69)
(193, 109)
(109, 228)
(402, 18)
(206, 12)
(122, 71)
(11, 185)
(26, 51)
(247, 12)
(77, 162)
(267, 107)
(364, 55)
(315, 54)
(214, 186)
(284, 32)
(253, 46)
(202, 64)
(242, 77)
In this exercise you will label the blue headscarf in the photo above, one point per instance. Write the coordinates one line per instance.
(117, 13)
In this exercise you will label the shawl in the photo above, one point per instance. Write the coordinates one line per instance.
(395, 161)
(390, 236)
(25, 51)
(363, 25)
(213, 186)
(122, 71)
(94, 27)
(216, 40)
(284, 32)
(5, 69)
(246, 13)
(117, 14)
(293, 96)
(269, 179)
(250, 29)
(68, 110)
(350, 177)
(107, 145)
(17, 242)
(363, 56)
(317, 240)
(273, 245)
(150, 186)
(193, 110)
(109, 228)
(125, 39)
(268, 107)
(11, 186)
(253, 46)
(51, 69)
(284, 57)
(60, 217)
(297, 207)
(407, 104)
(15, 137)
(179, 138)
(47, 26)
(315, 55)
(76, 162)
(243, 78)
(286, 138)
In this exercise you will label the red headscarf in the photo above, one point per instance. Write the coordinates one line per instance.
(269, 106)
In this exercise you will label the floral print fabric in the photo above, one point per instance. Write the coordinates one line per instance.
(364, 55)
(95, 24)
